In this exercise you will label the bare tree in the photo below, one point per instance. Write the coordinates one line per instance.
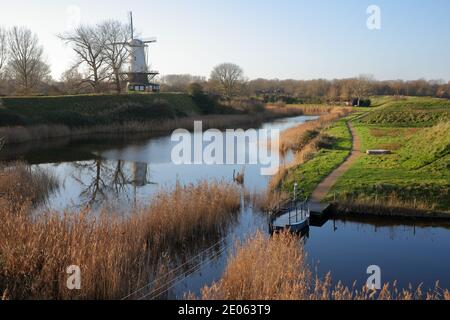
(72, 82)
(3, 49)
(89, 45)
(115, 53)
(229, 77)
(26, 64)
(332, 93)
(361, 87)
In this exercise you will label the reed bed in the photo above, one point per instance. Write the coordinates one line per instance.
(306, 109)
(296, 138)
(188, 212)
(116, 254)
(20, 134)
(392, 204)
(270, 201)
(306, 153)
(22, 186)
(275, 269)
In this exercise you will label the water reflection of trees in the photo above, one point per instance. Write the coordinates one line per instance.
(101, 180)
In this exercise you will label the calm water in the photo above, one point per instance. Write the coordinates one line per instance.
(123, 172)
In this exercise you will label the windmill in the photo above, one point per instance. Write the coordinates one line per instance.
(139, 76)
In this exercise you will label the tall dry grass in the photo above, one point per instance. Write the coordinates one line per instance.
(271, 201)
(392, 204)
(296, 138)
(18, 134)
(276, 269)
(305, 109)
(305, 141)
(21, 186)
(116, 254)
(303, 155)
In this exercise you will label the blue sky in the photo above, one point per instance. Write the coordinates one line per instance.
(283, 39)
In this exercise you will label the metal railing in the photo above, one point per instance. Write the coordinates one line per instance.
(298, 212)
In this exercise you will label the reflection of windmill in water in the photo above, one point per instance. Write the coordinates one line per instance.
(139, 177)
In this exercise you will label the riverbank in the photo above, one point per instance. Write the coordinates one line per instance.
(411, 181)
(117, 254)
(276, 268)
(40, 118)
(198, 261)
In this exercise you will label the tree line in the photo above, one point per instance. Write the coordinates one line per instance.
(355, 90)
(100, 64)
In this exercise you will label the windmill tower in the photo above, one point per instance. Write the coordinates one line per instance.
(139, 76)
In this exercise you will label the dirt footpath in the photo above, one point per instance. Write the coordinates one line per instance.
(325, 186)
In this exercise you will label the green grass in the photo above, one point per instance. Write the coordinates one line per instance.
(408, 112)
(416, 176)
(89, 110)
(416, 171)
(310, 174)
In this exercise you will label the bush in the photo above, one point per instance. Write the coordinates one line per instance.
(206, 103)
(362, 102)
(366, 103)
(195, 89)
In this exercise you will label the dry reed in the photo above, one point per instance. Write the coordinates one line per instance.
(276, 269)
(20, 185)
(270, 201)
(116, 254)
(18, 134)
(389, 205)
(298, 137)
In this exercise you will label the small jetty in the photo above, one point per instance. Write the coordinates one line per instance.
(319, 209)
(294, 217)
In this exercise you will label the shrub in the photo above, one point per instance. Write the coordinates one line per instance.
(195, 89)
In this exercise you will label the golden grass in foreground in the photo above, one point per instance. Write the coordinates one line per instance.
(116, 254)
(275, 269)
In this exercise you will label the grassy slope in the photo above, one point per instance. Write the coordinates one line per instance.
(418, 170)
(86, 110)
(408, 112)
(310, 174)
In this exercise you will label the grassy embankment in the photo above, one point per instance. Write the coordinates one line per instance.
(415, 178)
(30, 118)
(116, 254)
(276, 269)
(408, 112)
(319, 146)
